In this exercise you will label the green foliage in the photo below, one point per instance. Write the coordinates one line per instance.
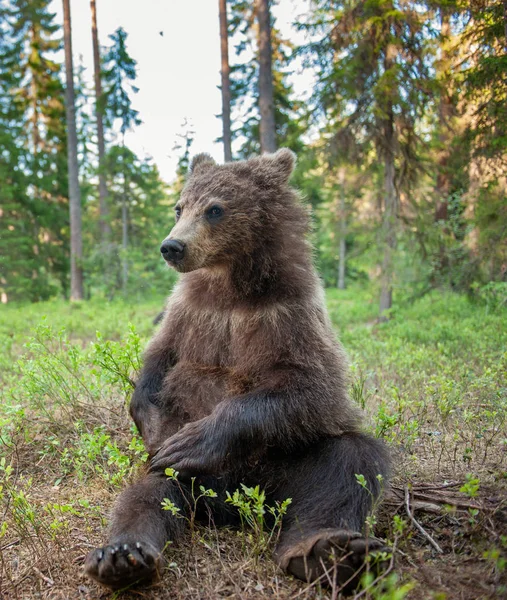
(432, 381)
(471, 486)
(254, 513)
(33, 172)
(119, 360)
(485, 77)
(72, 390)
(119, 73)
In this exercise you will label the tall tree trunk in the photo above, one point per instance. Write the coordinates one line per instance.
(266, 102)
(445, 112)
(125, 234)
(342, 229)
(76, 244)
(36, 141)
(389, 217)
(226, 84)
(105, 227)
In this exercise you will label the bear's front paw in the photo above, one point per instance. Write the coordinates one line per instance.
(193, 450)
(122, 565)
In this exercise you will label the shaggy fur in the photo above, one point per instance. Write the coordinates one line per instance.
(245, 382)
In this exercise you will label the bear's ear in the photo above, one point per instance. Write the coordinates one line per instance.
(280, 164)
(201, 162)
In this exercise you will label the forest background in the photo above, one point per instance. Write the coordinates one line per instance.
(397, 111)
(401, 147)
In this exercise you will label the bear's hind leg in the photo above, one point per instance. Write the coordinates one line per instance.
(323, 536)
(139, 531)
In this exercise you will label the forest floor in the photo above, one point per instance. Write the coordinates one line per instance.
(432, 380)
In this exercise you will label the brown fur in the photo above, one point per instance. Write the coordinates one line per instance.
(245, 378)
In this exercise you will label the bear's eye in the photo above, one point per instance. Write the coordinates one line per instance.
(177, 210)
(214, 212)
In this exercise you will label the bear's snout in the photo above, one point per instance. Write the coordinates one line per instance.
(172, 250)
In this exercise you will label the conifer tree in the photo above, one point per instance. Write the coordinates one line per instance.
(226, 83)
(105, 228)
(76, 241)
(289, 120)
(373, 82)
(35, 253)
(119, 75)
(266, 99)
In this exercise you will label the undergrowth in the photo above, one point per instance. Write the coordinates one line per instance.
(433, 382)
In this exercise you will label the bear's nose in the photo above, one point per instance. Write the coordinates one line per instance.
(172, 250)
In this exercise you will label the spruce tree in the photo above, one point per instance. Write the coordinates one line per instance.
(119, 75)
(32, 110)
(373, 82)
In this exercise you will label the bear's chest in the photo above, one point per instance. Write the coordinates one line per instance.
(210, 348)
(213, 339)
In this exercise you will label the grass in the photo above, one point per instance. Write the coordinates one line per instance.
(432, 381)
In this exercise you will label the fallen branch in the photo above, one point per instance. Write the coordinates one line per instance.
(42, 576)
(450, 501)
(424, 487)
(418, 526)
(9, 545)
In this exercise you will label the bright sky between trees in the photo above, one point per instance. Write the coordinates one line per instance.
(177, 48)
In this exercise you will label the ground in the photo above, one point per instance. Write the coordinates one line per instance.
(432, 381)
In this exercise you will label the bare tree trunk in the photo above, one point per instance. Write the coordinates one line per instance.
(445, 111)
(342, 229)
(389, 218)
(105, 227)
(266, 102)
(505, 21)
(125, 235)
(226, 84)
(76, 244)
(36, 141)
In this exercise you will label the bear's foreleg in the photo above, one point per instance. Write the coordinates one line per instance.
(139, 531)
(242, 426)
(147, 408)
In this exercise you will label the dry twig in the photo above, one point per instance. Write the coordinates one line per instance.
(42, 576)
(418, 526)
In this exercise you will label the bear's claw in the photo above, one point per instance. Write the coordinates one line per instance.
(121, 565)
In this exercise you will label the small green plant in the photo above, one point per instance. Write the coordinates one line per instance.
(471, 486)
(195, 497)
(385, 422)
(371, 519)
(252, 508)
(118, 360)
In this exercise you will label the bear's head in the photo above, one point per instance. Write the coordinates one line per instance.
(240, 212)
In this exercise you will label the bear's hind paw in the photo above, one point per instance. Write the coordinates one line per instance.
(341, 559)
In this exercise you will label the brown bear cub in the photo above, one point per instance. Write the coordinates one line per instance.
(245, 383)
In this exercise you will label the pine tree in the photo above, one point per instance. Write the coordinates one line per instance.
(289, 119)
(266, 99)
(374, 82)
(105, 228)
(119, 75)
(35, 249)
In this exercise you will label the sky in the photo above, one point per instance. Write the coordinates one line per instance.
(176, 45)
